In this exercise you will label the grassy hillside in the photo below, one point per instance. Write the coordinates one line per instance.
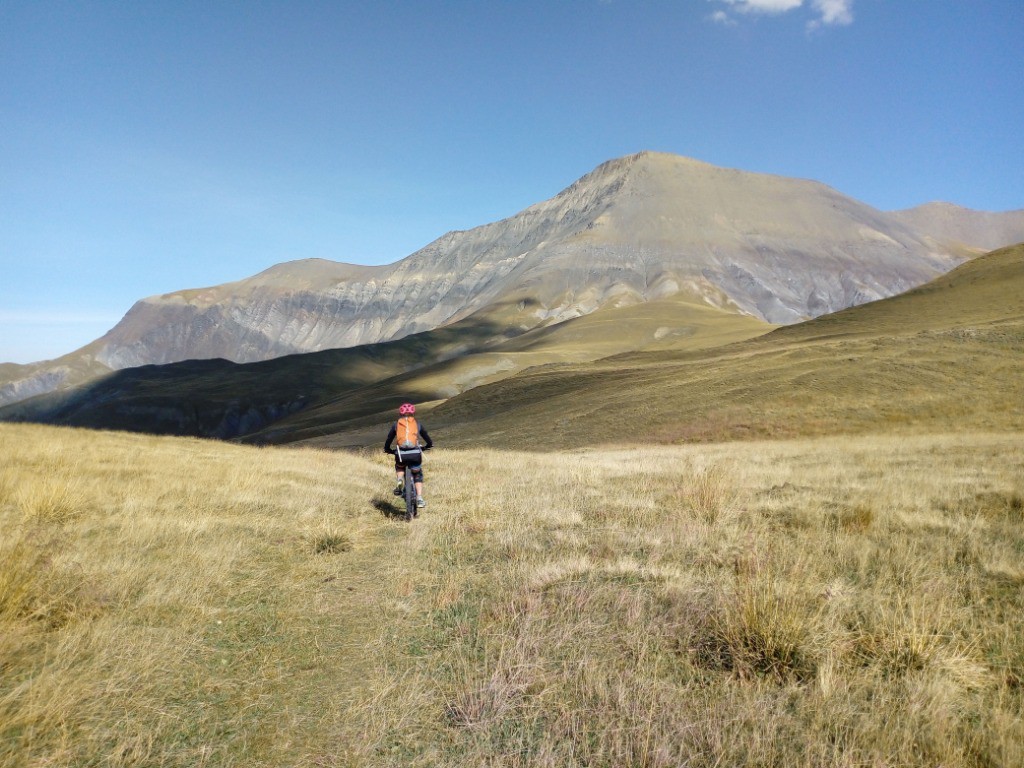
(946, 355)
(986, 291)
(208, 397)
(362, 414)
(949, 355)
(349, 386)
(841, 602)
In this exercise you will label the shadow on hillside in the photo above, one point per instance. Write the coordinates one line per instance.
(225, 400)
(387, 508)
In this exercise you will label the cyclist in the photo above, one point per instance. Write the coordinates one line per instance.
(408, 451)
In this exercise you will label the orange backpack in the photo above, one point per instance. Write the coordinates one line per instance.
(407, 433)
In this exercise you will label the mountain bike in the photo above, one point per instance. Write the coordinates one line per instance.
(409, 490)
(409, 493)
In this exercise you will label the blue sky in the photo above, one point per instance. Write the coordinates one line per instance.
(152, 146)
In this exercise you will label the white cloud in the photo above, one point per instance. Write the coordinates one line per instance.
(764, 6)
(829, 12)
(834, 11)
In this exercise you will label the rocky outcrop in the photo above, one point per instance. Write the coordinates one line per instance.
(31, 383)
(21, 382)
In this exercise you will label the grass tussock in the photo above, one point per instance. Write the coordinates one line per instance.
(35, 589)
(49, 501)
(758, 632)
(799, 603)
(707, 491)
(330, 542)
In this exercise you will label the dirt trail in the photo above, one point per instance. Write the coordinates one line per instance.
(356, 617)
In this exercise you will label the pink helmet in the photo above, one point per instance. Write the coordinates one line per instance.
(407, 409)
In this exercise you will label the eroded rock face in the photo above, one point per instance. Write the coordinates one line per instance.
(634, 229)
(21, 382)
(33, 383)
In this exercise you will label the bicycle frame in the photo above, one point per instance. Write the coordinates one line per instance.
(409, 491)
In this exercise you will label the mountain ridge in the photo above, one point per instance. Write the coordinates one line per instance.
(956, 224)
(634, 229)
(594, 220)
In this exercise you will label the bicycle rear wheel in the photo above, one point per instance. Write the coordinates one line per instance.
(410, 495)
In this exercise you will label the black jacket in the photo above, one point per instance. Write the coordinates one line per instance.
(428, 443)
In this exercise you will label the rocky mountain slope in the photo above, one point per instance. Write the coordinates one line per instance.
(635, 229)
(638, 228)
(20, 382)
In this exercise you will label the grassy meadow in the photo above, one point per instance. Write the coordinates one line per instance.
(832, 601)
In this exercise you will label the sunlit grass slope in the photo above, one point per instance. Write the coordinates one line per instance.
(837, 601)
(949, 355)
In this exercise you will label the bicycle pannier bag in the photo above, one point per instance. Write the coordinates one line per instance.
(408, 433)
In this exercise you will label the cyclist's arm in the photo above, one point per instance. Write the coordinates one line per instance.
(390, 437)
(423, 433)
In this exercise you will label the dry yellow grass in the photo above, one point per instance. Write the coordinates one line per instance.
(175, 602)
(847, 602)
(829, 602)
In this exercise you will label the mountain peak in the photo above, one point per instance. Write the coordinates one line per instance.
(647, 158)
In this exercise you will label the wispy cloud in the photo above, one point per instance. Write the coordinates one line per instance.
(827, 12)
(834, 11)
(763, 6)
